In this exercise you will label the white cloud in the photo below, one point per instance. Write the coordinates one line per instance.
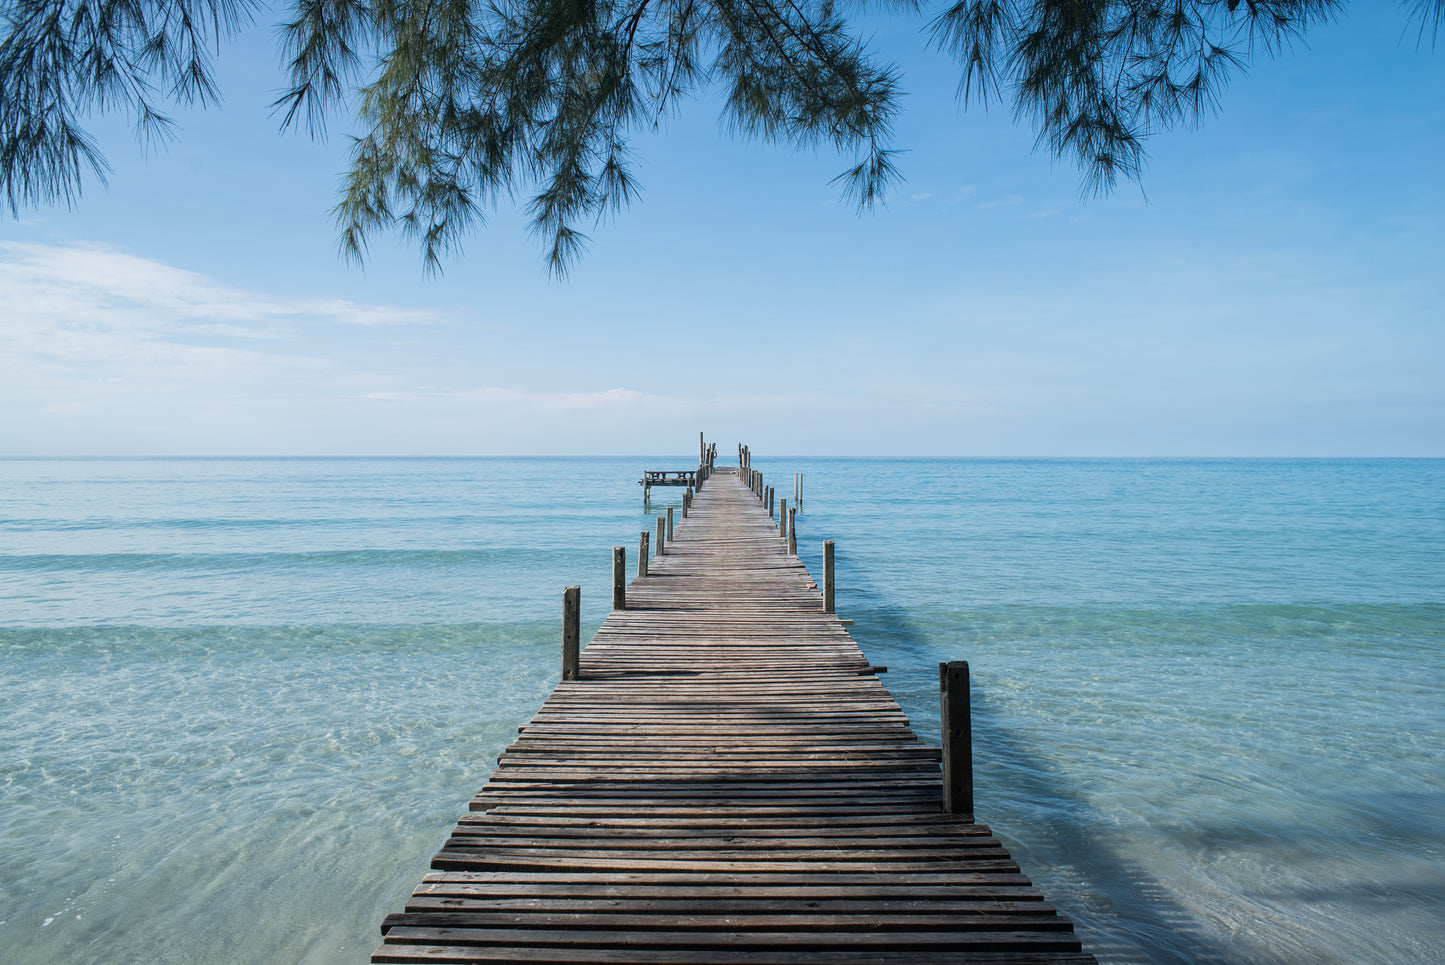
(90, 284)
(103, 351)
(116, 346)
(104, 316)
(497, 397)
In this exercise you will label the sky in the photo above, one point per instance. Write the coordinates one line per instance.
(1274, 288)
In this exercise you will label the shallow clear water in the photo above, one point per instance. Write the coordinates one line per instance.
(244, 700)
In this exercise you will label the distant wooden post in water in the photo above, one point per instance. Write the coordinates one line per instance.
(956, 717)
(619, 578)
(571, 632)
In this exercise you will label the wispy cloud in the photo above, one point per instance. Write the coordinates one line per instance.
(497, 397)
(99, 336)
(105, 351)
(89, 284)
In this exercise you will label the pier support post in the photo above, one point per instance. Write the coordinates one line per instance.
(827, 576)
(642, 553)
(661, 534)
(783, 518)
(669, 524)
(793, 531)
(955, 714)
(619, 578)
(571, 635)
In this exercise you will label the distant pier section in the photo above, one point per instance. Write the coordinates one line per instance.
(666, 477)
(691, 478)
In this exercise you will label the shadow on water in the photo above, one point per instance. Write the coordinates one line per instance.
(1123, 913)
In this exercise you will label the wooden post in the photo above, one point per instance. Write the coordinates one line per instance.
(797, 489)
(793, 531)
(770, 502)
(669, 524)
(571, 647)
(661, 534)
(956, 717)
(619, 578)
(642, 554)
(783, 518)
(828, 576)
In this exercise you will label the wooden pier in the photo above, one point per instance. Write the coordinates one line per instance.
(726, 782)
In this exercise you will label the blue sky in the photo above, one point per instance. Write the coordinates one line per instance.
(1275, 289)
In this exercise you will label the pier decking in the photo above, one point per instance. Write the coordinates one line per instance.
(727, 783)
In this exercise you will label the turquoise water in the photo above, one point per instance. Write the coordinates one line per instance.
(244, 700)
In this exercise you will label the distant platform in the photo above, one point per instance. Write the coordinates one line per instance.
(668, 477)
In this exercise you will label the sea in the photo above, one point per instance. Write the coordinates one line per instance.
(242, 701)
